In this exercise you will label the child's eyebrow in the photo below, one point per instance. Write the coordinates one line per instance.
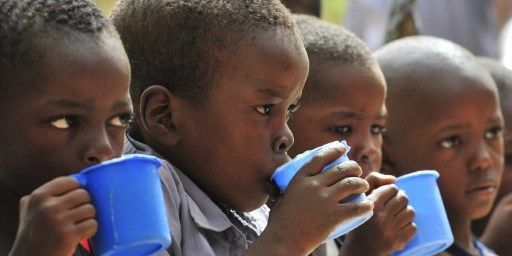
(495, 120)
(454, 127)
(382, 115)
(268, 92)
(66, 103)
(126, 103)
(358, 116)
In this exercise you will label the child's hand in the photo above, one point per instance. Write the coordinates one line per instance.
(390, 227)
(310, 210)
(376, 180)
(499, 228)
(54, 218)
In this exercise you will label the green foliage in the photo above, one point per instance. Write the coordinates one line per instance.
(333, 10)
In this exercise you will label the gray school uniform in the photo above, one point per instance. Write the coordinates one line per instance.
(198, 225)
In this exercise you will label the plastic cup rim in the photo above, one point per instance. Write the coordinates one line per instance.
(419, 174)
(442, 244)
(122, 159)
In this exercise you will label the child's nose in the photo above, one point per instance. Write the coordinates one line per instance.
(482, 158)
(98, 150)
(364, 151)
(282, 141)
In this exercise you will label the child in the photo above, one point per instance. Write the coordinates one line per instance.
(64, 106)
(444, 115)
(498, 225)
(344, 99)
(213, 84)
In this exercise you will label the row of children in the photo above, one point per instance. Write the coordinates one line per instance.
(213, 85)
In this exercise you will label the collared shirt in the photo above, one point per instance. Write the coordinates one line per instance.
(198, 225)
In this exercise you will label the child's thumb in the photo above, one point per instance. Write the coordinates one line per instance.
(376, 180)
(323, 157)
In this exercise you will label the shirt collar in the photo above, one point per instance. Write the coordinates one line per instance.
(205, 213)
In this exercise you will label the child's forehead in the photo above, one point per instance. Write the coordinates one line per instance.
(277, 47)
(267, 69)
(277, 42)
(434, 73)
(63, 60)
(443, 105)
(327, 77)
(82, 48)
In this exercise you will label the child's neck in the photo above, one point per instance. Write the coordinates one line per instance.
(9, 218)
(461, 228)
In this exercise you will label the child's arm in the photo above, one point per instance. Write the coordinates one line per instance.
(499, 227)
(390, 227)
(53, 219)
(310, 210)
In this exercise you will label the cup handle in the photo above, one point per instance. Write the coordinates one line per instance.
(80, 178)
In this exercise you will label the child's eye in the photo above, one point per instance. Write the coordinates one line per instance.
(121, 121)
(265, 109)
(65, 123)
(377, 129)
(343, 129)
(493, 133)
(451, 142)
(292, 109)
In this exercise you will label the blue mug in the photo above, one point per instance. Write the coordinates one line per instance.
(284, 174)
(127, 195)
(433, 233)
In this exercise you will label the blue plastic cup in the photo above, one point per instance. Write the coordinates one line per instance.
(433, 233)
(284, 174)
(127, 195)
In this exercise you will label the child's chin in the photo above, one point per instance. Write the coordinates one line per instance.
(481, 210)
(252, 205)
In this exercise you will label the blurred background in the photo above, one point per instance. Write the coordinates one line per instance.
(482, 26)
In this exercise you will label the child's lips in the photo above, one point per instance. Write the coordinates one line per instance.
(273, 190)
(484, 189)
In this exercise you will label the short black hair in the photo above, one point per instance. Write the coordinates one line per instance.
(502, 76)
(176, 43)
(24, 23)
(425, 58)
(326, 41)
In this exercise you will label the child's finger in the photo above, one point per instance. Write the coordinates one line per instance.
(353, 209)
(341, 171)
(407, 232)
(383, 194)
(56, 187)
(376, 180)
(75, 198)
(322, 158)
(397, 204)
(82, 213)
(347, 187)
(405, 217)
(86, 229)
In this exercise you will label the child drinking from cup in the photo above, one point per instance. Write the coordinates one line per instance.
(444, 114)
(214, 83)
(496, 229)
(344, 99)
(64, 106)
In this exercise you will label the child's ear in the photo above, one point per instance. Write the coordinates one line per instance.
(158, 115)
